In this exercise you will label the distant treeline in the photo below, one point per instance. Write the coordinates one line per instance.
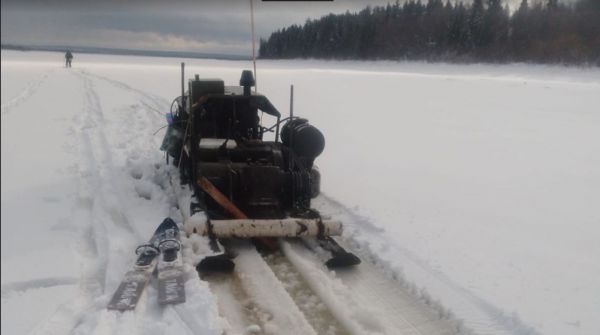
(545, 32)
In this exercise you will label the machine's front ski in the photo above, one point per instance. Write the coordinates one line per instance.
(171, 276)
(340, 257)
(130, 290)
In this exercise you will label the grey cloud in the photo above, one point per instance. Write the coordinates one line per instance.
(185, 25)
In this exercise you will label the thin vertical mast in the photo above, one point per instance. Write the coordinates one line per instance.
(182, 86)
(253, 44)
(291, 102)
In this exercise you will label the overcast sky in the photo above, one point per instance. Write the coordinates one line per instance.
(210, 26)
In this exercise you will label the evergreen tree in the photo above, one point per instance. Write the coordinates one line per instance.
(520, 37)
(546, 31)
(476, 29)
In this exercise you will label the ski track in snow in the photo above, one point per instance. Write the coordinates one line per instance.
(95, 191)
(101, 210)
(184, 318)
(22, 286)
(118, 220)
(157, 104)
(30, 89)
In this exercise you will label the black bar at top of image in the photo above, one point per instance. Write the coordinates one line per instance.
(297, 0)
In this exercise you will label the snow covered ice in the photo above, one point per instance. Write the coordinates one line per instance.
(476, 186)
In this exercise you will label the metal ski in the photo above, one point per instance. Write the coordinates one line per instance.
(171, 276)
(129, 291)
(340, 257)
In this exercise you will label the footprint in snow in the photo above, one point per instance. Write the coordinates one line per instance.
(136, 173)
(144, 190)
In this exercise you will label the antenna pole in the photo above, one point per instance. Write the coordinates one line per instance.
(291, 101)
(182, 86)
(253, 44)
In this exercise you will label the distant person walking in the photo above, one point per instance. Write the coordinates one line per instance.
(68, 58)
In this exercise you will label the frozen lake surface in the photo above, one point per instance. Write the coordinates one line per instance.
(478, 184)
